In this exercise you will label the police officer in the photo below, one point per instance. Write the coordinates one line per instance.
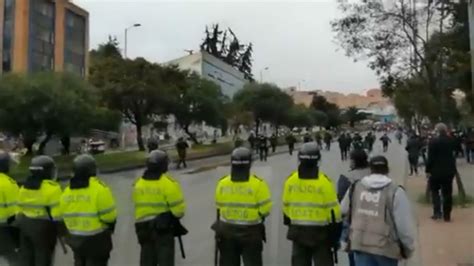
(8, 207)
(311, 211)
(159, 204)
(243, 201)
(39, 213)
(89, 212)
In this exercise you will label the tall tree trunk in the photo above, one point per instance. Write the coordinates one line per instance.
(190, 134)
(66, 142)
(43, 143)
(138, 125)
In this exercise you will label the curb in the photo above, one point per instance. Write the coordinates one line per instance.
(63, 177)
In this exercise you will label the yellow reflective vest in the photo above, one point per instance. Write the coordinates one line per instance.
(153, 197)
(243, 203)
(8, 198)
(41, 203)
(310, 201)
(86, 211)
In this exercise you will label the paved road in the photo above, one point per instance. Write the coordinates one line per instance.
(199, 188)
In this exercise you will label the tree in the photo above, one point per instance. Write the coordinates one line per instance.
(45, 104)
(231, 50)
(330, 110)
(352, 115)
(265, 101)
(300, 116)
(136, 88)
(195, 100)
(401, 42)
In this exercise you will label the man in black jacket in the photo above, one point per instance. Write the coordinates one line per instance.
(440, 169)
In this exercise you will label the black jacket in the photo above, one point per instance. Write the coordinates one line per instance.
(441, 162)
(413, 148)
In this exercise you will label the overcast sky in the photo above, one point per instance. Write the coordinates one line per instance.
(294, 40)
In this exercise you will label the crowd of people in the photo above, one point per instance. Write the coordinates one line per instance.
(365, 213)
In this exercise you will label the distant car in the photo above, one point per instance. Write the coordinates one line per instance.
(96, 147)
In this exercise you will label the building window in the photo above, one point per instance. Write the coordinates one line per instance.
(8, 24)
(75, 43)
(41, 38)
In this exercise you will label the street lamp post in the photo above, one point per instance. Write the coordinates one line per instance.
(261, 74)
(299, 83)
(136, 25)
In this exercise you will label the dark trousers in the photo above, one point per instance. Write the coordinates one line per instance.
(413, 160)
(328, 146)
(35, 251)
(263, 154)
(159, 251)
(445, 185)
(232, 250)
(8, 243)
(181, 161)
(274, 148)
(303, 255)
(385, 147)
(344, 153)
(469, 154)
(92, 250)
(291, 147)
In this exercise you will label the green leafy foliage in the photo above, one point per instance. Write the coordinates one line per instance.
(47, 104)
(265, 101)
(352, 115)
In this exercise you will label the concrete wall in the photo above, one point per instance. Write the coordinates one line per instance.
(229, 79)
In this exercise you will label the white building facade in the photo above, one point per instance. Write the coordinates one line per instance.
(228, 78)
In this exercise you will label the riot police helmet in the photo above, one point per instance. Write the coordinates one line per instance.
(309, 152)
(157, 161)
(84, 166)
(240, 160)
(359, 159)
(43, 167)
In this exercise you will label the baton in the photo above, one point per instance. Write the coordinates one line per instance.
(180, 241)
(61, 242)
(334, 247)
(216, 246)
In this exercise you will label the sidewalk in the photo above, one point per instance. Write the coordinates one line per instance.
(440, 243)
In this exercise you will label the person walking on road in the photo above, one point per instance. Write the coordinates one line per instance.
(381, 229)
(274, 142)
(343, 146)
(181, 147)
(291, 140)
(319, 139)
(359, 169)
(413, 148)
(89, 212)
(263, 147)
(243, 202)
(159, 204)
(440, 170)
(152, 143)
(39, 215)
(252, 141)
(9, 235)
(469, 145)
(307, 138)
(369, 141)
(311, 211)
(385, 141)
(327, 140)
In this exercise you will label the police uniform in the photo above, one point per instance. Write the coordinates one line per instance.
(243, 201)
(159, 203)
(311, 210)
(8, 208)
(39, 213)
(89, 213)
